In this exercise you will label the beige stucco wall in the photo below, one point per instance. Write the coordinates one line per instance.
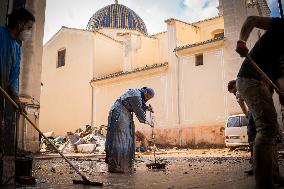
(134, 51)
(66, 93)
(163, 47)
(108, 55)
(118, 34)
(145, 51)
(186, 33)
(202, 89)
(207, 27)
(234, 17)
(203, 113)
(202, 92)
(197, 32)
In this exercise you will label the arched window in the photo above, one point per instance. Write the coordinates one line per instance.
(217, 33)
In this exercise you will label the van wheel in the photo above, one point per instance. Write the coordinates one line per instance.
(232, 148)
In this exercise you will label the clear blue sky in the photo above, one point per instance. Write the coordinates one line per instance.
(273, 4)
(76, 13)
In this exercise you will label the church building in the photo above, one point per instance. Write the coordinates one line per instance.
(189, 65)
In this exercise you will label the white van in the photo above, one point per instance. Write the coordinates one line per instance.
(236, 131)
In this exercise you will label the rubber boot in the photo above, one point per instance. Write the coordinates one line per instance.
(263, 166)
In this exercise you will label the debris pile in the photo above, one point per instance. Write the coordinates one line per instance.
(87, 140)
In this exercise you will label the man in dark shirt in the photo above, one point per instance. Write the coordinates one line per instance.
(257, 94)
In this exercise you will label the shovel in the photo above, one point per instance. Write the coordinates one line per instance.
(85, 181)
(264, 76)
(156, 164)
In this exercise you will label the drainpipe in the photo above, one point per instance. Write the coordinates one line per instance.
(178, 100)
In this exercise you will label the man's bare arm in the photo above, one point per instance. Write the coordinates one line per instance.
(254, 21)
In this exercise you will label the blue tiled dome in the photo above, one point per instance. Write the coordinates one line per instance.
(116, 16)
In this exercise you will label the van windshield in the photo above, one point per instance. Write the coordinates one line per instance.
(233, 122)
(237, 121)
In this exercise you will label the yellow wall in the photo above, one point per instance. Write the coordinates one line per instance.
(163, 47)
(108, 56)
(207, 27)
(186, 33)
(66, 93)
(145, 51)
(118, 33)
(136, 51)
(197, 32)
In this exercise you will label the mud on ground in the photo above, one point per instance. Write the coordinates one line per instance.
(193, 168)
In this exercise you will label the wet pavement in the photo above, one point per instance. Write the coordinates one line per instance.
(207, 168)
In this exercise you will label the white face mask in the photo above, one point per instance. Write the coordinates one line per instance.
(26, 35)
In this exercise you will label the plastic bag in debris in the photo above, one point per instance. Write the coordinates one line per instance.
(59, 139)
